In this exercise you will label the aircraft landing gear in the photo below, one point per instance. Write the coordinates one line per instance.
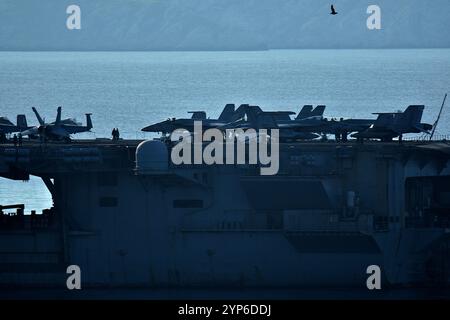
(337, 137)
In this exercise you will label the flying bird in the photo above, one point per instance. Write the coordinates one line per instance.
(333, 12)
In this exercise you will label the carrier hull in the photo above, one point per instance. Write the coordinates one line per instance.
(333, 210)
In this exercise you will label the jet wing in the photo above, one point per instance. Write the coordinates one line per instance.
(5, 122)
(30, 132)
(59, 131)
(166, 126)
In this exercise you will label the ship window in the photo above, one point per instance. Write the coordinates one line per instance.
(108, 202)
(428, 198)
(107, 179)
(188, 203)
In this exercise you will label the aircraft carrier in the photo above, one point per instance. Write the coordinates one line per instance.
(128, 217)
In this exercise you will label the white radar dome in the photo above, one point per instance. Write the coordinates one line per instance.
(151, 156)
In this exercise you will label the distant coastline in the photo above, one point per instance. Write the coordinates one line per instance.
(216, 50)
(214, 25)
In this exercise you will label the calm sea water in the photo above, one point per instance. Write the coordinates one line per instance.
(130, 90)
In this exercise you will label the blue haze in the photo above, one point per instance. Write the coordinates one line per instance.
(221, 25)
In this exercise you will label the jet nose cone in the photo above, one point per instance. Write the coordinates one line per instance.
(150, 128)
(158, 127)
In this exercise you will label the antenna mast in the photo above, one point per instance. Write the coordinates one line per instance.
(438, 117)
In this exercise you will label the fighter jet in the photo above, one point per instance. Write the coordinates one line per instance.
(59, 129)
(394, 124)
(281, 117)
(343, 127)
(269, 120)
(257, 119)
(308, 124)
(312, 120)
(6, 126)
(228, 115)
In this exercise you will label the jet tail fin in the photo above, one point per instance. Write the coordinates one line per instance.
(58, 116)
(318, 111)
(384, 120)
(305, 112)
(198, 115)
(22, 122)
(412, 116)
(88, 121)
(268, 119)
(41, 122)
(251, 112)
(241, 113)
(227, 112)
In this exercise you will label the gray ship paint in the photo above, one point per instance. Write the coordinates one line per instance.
(228, 226)
(218, 144)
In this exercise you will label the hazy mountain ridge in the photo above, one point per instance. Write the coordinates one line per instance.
(221, 24)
